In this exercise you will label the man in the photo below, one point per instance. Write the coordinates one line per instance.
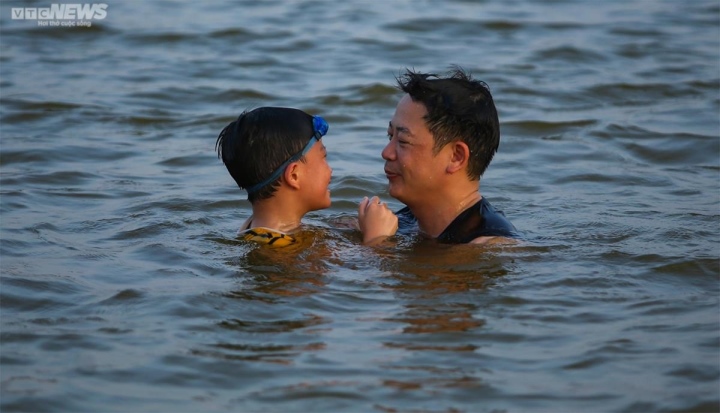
(443, 135)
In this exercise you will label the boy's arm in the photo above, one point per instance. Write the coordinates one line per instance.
(376, 220)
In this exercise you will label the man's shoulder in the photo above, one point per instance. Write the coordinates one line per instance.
(494, 218)
(479, 221)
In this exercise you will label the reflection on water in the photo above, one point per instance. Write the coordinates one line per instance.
(123, 286)
(431, 319)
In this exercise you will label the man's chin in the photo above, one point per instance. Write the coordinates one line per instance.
(395, 192)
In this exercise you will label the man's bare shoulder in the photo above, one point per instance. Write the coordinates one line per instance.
(494, 241)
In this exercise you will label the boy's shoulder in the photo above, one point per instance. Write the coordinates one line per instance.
(267, 236)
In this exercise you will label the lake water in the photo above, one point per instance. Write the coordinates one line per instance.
(124, 289)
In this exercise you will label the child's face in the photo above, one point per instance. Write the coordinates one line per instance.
(318, 176)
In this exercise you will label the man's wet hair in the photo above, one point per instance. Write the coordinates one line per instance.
(254, 145)
(459, 108)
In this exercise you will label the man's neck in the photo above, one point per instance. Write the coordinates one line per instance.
(434, 215)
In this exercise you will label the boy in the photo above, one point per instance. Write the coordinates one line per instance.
(277, 156)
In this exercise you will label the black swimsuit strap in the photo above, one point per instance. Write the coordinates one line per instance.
(465, 227)
(480, 220)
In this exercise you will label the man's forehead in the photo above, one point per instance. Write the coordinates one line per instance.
(409, 111)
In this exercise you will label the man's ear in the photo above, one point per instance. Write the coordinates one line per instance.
(459, 157)
(292, 175)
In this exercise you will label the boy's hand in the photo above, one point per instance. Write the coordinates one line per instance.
(376, 220)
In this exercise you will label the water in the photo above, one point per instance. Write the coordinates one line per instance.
(123, 287)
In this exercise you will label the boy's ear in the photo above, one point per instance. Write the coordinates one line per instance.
(292, 175)
(459, 158)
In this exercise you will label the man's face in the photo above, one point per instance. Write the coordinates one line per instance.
(413, 172)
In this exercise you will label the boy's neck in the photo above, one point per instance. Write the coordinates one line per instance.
(275, 213)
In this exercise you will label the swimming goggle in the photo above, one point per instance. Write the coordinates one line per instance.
(320, 128)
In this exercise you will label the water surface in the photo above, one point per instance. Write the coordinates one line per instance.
(123, 287)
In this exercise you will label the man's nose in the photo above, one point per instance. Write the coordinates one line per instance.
(388, 153)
